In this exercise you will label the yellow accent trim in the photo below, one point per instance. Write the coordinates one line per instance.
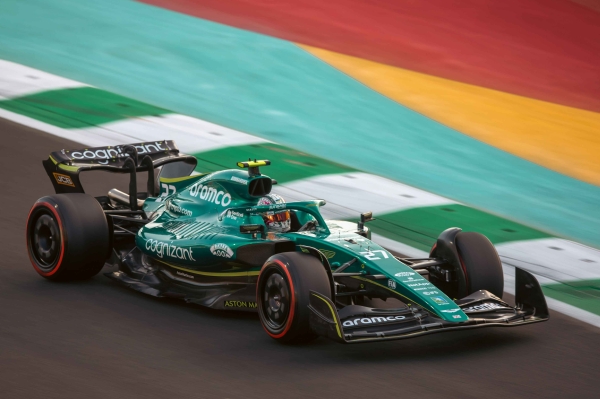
(52, 159)
(178, 179)
(395, 292)
(558, 137)
(213, 274)
(253, 164)
(68, 167)
(337, 327)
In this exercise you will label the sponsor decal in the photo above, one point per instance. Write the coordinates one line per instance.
(372, 255)
(426, 283)
(238, 180)
(410, 280)
(456, 316)
(210, 194)
(165, 193)
(430, 292)
(63, 179)
(439, 300)
(405, 274)
(450, 310)
(239, 304)
(372, 320)
(184, 274)
(277, 206)
(328, 254)
(392, 284)
(162, 249)
(103, 155)
(234, 215)
(221, 250)
(177, 209)
(483, 306)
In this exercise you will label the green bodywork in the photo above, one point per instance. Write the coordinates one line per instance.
(195, 229)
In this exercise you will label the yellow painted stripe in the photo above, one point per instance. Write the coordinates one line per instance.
(213, 274)
(557, 137)
(178, 179)
(337, 327)
(67, 167)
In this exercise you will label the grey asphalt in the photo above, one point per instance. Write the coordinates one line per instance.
(95, 339)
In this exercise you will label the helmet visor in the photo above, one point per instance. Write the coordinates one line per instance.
(277, 217)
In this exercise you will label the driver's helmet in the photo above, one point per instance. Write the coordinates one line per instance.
(277, 221)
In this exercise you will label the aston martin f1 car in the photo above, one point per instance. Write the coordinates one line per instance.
(203, 238)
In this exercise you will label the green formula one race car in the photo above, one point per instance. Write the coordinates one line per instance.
(224, 241)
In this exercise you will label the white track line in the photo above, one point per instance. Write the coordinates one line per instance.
(350, 194)
(553, 304)
(347, 194)
(191, 135)
(553, 258)
(18, 80)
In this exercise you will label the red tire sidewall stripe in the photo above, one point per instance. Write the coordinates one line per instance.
(62, 239)
(433, 249)
(290, 319)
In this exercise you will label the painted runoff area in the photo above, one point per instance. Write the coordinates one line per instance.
(275, 90)
(408, 219)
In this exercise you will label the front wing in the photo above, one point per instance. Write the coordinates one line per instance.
(356, 324)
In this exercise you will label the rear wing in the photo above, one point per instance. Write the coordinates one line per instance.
(64, 166)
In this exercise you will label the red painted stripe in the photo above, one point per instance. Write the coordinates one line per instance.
(62, 239)
(290, 319)
(545, 49)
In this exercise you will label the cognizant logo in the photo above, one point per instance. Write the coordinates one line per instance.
(210, 194)
(103, 155)
(162, 249)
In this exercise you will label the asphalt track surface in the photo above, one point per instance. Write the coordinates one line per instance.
(95, 339)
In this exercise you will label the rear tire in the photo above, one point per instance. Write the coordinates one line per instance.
(283, 293)
(480, 263)
(67, 237)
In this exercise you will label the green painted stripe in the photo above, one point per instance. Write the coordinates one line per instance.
(419, 227)
(290, 164)
(79, 107)
(275, 90)
(584, 294)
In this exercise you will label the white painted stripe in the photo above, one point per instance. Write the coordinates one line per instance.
(509, 280)
(553, 304)
(41, 126)
(191, 135)
(350, 194)
(347, 194)
(18, 80)
(405, 250)
(553, 258)
(198, 135)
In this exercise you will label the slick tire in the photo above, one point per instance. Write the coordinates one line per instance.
(283, 292)
(67, 237)
(480, 263)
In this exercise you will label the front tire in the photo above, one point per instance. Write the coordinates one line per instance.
(283, 294)
(67, 237)
(480, 262)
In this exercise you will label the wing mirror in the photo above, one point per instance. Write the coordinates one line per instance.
(364, 218)
(253, 229)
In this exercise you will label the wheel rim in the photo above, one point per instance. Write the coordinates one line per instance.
(45, 241)
(276, 301)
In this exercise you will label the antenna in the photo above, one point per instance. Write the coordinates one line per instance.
(253, 166)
